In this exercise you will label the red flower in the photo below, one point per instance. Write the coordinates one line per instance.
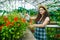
(8, 23)
(23, 20)
(5, 18)
(18, 24)
(1, 27)
(12, 23)
(16, 19)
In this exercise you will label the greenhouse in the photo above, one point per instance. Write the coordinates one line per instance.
(29, 19)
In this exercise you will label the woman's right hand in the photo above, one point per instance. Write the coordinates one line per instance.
(32, 18)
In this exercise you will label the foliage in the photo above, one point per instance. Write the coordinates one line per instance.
(12, 26)
(33, 12)
(55, 16)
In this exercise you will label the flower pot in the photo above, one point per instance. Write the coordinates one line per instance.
(57, 36)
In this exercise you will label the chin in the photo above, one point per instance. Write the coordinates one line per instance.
(41, 13)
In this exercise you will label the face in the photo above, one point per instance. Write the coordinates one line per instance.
(42, 11)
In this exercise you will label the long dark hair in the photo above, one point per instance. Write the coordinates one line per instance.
(39, 15)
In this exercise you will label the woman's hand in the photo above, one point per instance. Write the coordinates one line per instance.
(31, 26)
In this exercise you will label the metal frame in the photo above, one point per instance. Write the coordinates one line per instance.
(32, 3)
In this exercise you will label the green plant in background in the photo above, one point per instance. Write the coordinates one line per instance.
(33, 12)
(51, 32)
(22, 10)
(55, 16)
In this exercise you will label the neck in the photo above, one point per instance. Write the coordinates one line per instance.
(42, 15)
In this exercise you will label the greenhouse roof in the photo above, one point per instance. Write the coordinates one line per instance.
(28, 4)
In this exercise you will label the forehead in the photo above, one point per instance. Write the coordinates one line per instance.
(41, 9)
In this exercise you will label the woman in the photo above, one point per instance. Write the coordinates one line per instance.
(41, 21)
